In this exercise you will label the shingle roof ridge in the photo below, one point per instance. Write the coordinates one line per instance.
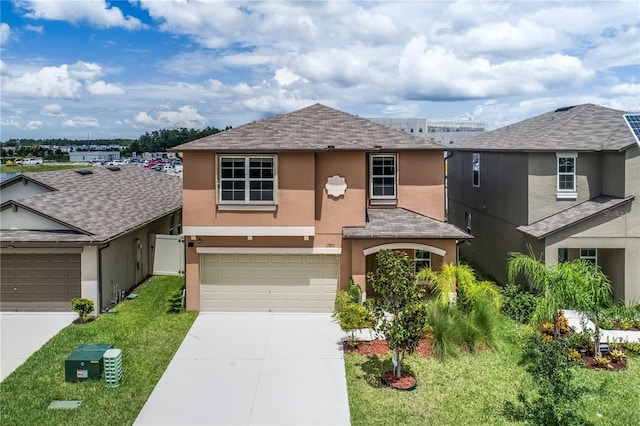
(584, 127)
(106, 203)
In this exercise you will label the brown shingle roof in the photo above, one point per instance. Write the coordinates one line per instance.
(101, 205)
(402, 223)
(585, 127)
(573, 215)
(313, 128)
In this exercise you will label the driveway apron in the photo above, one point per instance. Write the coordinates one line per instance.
(254, 369)
(23, 333)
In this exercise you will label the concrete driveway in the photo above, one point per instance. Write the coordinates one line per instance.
(253, 369)
(23, 333)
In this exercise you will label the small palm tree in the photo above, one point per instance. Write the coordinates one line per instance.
(577, 284)
(453, 282)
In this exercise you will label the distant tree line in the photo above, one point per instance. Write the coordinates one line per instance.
(66, 142)
(156, 141)
(161, 140)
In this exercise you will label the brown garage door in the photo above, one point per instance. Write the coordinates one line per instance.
(39, 282)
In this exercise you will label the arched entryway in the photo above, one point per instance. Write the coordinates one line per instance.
(423, 255)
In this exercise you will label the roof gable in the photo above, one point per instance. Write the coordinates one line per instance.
(314, 128)
(585, 127)
(101, 205)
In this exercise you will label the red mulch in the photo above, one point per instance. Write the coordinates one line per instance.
(405, 382)
(590, 362)
(380, 347)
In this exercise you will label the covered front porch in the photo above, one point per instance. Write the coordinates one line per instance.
(427, 241)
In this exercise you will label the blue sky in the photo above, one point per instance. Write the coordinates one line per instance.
(95, 69)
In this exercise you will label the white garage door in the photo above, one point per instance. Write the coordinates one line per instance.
(268, 282)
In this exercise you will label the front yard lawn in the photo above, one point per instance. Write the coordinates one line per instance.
(148, 338)
(472, 388)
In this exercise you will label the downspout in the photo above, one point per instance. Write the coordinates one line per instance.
(446, 186)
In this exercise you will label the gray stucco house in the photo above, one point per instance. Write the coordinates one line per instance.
(81, 233)
(564, 183)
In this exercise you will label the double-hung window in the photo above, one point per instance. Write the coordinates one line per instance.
(247, 180)
(590, 255)
(566, 177)
(383, 171)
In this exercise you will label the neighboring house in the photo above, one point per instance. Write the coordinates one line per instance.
(563, 183)
(443, 130)
(281, 213)
(81, 233)
(88, 156)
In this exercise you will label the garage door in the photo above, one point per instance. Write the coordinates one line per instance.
(268, 282)
(39, 282)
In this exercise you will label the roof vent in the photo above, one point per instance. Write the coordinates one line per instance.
(113, 168)
(567, 108)
(84, 172)
(331, 146)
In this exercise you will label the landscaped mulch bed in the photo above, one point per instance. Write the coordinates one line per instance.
(380, 347)
(590, 362)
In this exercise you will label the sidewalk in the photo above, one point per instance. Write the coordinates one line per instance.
(577, 319)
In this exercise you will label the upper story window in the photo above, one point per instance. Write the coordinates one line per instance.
(566, 177)
(247, 180)
(475, 162)
(383, 178)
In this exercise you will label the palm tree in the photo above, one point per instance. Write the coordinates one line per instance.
(577, 284)
(453, 282)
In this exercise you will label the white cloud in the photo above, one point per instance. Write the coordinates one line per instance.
(52, 110)
(34, 125)
(35, 28)
(85, 70)
(284, 77)
(81, 121)
(625, 90)
(61, 82)
(98, 13)
(5, 32)
(102, 88)
(434, 72)
(185, 116)
(4, 69)
(10, 123)
(49, 82)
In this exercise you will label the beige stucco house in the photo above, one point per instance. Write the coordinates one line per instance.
(564, 183)
(280, 213)
(82, 233)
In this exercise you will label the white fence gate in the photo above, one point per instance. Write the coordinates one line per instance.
(168, 257)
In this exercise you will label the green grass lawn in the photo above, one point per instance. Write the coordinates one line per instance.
(40, 167)
(471, 389)
(148, 338)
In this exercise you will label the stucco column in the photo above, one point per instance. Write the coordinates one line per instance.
(89, 276)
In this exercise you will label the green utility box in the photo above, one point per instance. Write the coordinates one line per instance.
(85, 362)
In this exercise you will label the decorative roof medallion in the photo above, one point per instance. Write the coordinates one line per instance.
(336, 186)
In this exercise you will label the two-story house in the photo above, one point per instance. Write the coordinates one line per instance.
(280, 213)
(563, 183)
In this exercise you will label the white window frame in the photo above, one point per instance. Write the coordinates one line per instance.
(372, 176)
(475, 169)
(247, 181)
(418, 259)
(588, 257)
(570, 193)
